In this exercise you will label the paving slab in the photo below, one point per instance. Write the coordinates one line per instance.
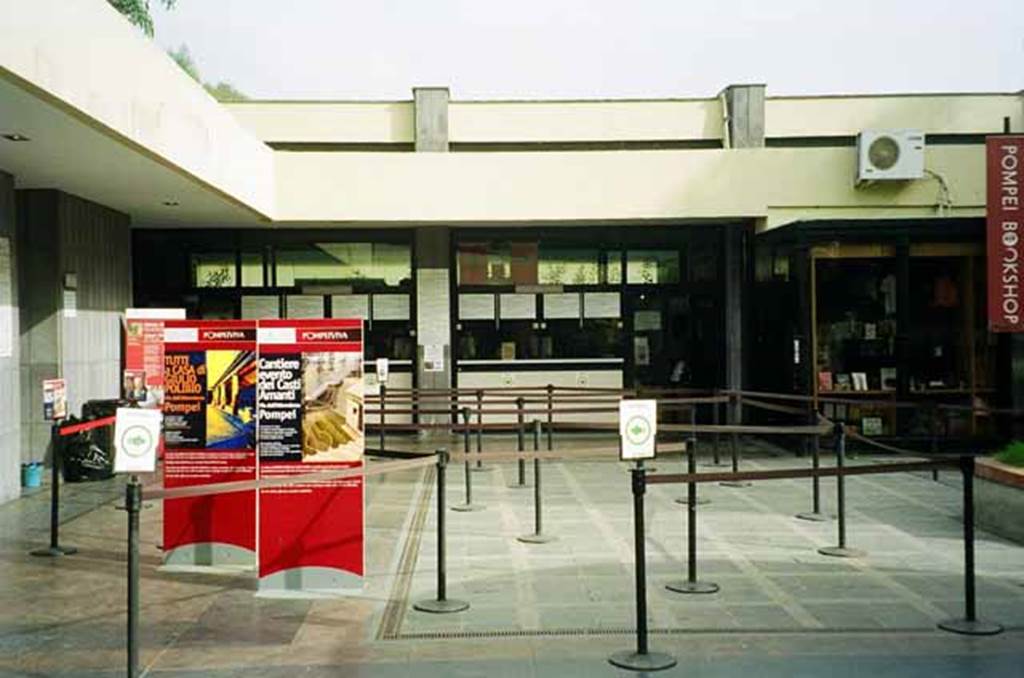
(555, 609)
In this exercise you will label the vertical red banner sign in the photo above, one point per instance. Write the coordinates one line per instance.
(1004, 156)
(144, 347)
(209, 437)
(310, 399)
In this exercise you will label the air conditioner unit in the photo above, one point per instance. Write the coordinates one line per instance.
(890, 155)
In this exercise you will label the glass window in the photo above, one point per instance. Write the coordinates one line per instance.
(252, 269)
(497, 263)
(344, 262)
(569, 266)
(614, 268)
(652, 267)
(938, 355)
(214, 269)
(856, 316)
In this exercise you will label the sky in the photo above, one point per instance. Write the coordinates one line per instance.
(526, 49)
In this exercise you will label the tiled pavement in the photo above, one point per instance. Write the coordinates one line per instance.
(550, 609)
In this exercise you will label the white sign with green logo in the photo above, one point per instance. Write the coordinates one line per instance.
(638, 426)
(136, 438)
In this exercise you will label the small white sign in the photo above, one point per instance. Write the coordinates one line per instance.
(638, 426)
(382, 370)
(136, 437)
(271, 335)
(433, 358)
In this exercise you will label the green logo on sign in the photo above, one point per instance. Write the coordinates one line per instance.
(136, 441)
(638, 430)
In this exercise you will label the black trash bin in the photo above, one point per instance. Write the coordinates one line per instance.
(89, 455)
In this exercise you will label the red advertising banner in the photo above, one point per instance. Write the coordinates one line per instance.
(209, 437)
(310, 401)
(1005, 250)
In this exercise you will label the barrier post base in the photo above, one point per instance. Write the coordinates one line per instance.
(813, 517)
(536, 538)
(699, 501)
(478, 469)
(971, 627)
(446, 606)
(55, 551)
(842, 552)
(517, 486)
(468, 508)
(646, 661)
(687, 586)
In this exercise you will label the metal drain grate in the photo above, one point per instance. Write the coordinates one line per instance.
(624, 631)
(398, 601)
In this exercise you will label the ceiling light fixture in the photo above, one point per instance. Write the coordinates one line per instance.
(15, 137)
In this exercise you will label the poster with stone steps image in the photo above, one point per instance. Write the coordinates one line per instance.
(310, 403)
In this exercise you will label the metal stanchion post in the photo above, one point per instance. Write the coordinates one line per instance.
(383, 408)
(520, 445)
(970, 625)
(442, 604)
(551, 417)
(480, 432)
(815, 514)
(691, 584)
(133, 506)
(841, 551)
(934, 439)
(538, 536)
(716, 441)
(691, 454)
(735, 417)
(55, 549)
(467, 475)
(642, 659)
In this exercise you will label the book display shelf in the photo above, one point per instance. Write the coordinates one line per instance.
(901, 326)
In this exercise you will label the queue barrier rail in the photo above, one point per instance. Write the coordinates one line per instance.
(441, 459)
(57, 431)
(643, 659)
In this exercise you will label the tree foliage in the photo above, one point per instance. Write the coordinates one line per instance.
(137, 11)
(183, 57)
(221, 91)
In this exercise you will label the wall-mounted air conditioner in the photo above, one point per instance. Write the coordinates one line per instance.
(890, 155)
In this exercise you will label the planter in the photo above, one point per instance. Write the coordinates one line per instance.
(999, 499)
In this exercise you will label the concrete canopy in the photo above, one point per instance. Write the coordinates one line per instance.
(111, 118)
(78, 156)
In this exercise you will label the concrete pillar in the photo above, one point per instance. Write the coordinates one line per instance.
(75, 276)
(744, 110)
(10, 397)
(735, 279)
(744, 115)
(433, 298)
(433, 311)
(431, 115)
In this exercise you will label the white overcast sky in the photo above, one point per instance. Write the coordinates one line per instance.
(380, 49)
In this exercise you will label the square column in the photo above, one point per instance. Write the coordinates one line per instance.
(431, 114)
(10, 395)
(433, 312)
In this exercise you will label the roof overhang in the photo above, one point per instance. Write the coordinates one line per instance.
(110, 118)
